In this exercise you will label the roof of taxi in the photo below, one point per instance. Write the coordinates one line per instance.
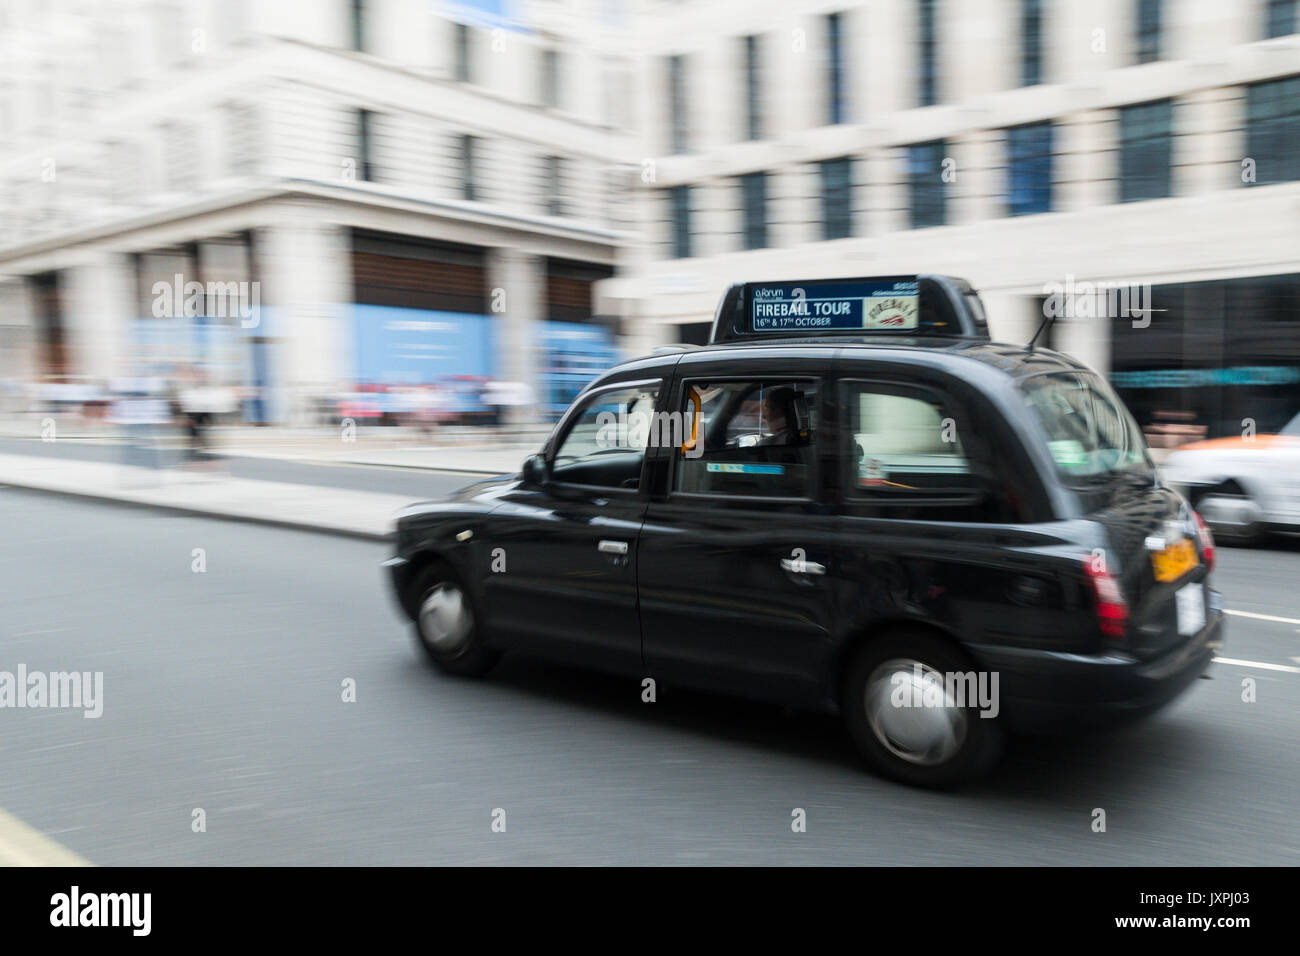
(1017, 361)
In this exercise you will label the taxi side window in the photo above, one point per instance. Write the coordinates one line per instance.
(904, 446)
(751, 438)
(605, 444)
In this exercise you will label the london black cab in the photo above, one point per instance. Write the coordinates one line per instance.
(849, 500)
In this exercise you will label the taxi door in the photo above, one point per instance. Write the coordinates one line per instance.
(735, 557)
(563, 564)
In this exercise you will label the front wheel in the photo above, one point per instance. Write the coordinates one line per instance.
(912, 704)
(446, 626)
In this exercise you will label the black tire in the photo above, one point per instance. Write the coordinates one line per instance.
(464, 656)
(969, 747)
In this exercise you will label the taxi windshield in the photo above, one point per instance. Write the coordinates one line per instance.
(1090, 433)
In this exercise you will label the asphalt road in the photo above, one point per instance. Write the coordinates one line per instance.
(222, 691)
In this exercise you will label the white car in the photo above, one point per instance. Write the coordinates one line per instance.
(1242, 487)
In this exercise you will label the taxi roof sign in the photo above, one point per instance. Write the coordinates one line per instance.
(916, 305)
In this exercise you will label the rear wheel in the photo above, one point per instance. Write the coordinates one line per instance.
(907, 716)
(446, 625)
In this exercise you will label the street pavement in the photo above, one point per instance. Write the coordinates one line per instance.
(273, 485)
(223, 691)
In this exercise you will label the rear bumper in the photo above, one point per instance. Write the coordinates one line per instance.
(1047, 692)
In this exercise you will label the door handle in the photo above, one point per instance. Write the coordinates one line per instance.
(612, 547)
(800, 566)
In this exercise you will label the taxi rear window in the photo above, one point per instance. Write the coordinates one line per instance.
(1090, 433)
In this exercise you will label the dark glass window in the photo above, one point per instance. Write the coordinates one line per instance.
(835, 68)
(551, 78)
(927, 191)
(553, 180)
(679, 200)
(468, 173)
(927, 65)
(366, 145)
(837, 198)
(1031, 42)
(758, 439)
(677, 102)
(1273, 129)
(462, 53)
(753, 89)
(359, 25)
(605, 442)
(753, 189)
(1029, 166)
(1148, 30)
(1146, 151)
(1281, 17)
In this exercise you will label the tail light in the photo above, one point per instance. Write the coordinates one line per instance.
(1112, 606)
(1206, 540)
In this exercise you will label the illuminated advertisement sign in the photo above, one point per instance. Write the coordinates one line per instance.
(871, 306)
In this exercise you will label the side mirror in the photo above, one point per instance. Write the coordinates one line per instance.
(535, 472)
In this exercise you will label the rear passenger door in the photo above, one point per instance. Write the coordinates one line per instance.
(939, 515)
(735, 554)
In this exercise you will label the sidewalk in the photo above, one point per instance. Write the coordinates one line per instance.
(503, 458)
(358, 514)
(468, 449)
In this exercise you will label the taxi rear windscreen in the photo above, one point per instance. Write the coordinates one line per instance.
(870, 306)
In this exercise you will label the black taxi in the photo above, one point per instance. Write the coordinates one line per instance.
(850, 500)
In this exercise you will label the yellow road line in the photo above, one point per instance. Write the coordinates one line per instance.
(20, 845)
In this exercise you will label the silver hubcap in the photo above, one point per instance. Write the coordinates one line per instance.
(913, 714)
(445, 619)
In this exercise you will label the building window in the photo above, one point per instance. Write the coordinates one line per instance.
(1281, 17)
(553, 183)
(677, 103)
(679, 201)
(366, 145)
(1031, 42)
(1273, 129)
(462, 40)
(468, 171)
(1148, 30)
(835, 68)
(1029, 155)
(551, 78)
(753, 197)
(359, 25)
(927, 65)
(1145, 151)
(927, 191)
(753, 89)
(837, 198)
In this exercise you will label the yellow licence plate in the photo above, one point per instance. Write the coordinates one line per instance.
(1172, 562)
